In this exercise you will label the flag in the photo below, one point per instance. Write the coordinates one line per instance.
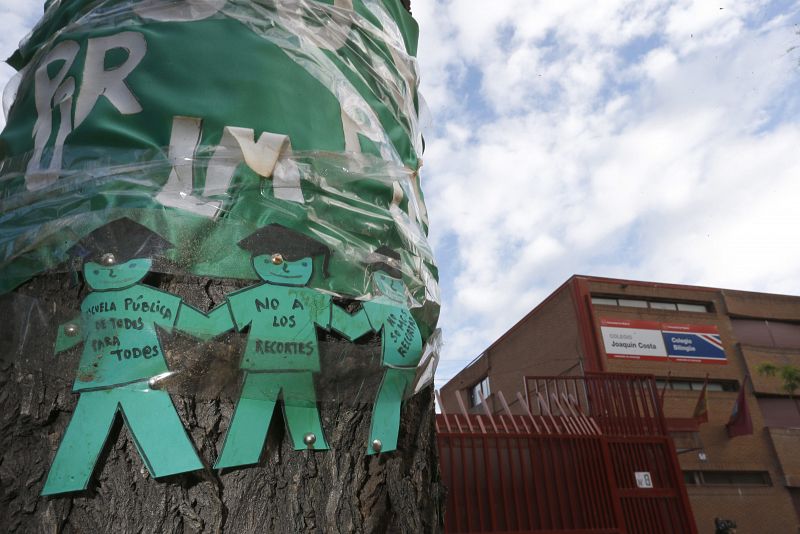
(740, 423)
(701, 408)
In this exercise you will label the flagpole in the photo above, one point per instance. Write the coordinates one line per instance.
(664, 390)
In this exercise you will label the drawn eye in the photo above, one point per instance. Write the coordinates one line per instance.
(96, 271)
(131, 266)
(305, 264)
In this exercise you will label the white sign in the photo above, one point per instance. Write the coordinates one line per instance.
(633, 340)
(643, 479)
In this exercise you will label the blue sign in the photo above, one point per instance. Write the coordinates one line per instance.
(693, 343)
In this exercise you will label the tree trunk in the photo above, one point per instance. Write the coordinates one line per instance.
(339, 490)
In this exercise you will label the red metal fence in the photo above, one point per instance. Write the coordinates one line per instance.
(567, 464)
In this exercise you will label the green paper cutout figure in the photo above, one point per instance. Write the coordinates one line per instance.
(401, 344)
(121, 353)
(282, 350)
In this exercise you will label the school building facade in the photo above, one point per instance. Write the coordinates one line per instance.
(686, 336)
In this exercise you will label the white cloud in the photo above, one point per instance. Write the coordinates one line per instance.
(647, 140)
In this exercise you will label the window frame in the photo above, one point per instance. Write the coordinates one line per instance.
(481, 385)
(697, 478)
(684, 384)
(659, 305)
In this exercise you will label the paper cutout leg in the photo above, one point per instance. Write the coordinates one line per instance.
(248, 431)
(158, 432)
(386, 413)
(82, 442)
(152, 421)
(300, 407)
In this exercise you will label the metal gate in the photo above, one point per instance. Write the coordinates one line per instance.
(589, 454)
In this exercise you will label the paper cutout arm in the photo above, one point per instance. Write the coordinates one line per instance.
(240, 306)
(323, 315)
(68, 338)
(351, 326)
(204, 326)
(167, 304)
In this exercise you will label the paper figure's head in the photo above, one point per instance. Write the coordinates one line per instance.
(384, 263)
(283, 256)
(118, 254)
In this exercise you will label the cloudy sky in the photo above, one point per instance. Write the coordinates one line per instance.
(643, 139)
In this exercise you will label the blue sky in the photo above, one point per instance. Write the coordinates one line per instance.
(635, 139)
(639, 139)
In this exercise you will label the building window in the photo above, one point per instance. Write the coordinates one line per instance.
(763, 333)
(696, 384)
(727, 478)
(476, 390)
(697, 308)
(671, 306)
(632, 303)
(652, 304)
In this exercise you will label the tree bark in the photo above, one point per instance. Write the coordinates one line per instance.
(339, 490)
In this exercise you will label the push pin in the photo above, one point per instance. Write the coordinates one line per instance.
(309, 439)
(277, 259)
(71, 330)
(108, 260)
(377, 445)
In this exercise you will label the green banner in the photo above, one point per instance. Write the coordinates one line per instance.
(207, 120)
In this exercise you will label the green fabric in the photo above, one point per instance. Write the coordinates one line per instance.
(152, 421)
(66, 11)
(117, 163)
(386, 412)
(166, 84)
(244, 440)
(408, 26)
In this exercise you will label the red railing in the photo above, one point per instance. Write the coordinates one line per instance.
(568, 463)
(621, 404)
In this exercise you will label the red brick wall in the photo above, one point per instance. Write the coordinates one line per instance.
(755, 509)
(548, 342)
(545, 342)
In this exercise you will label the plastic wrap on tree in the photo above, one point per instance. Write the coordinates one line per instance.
(275, 143)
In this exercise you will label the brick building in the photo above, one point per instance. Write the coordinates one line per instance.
(680, 334)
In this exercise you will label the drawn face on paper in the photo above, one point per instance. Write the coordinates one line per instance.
(285, 273)
(394, 288)
(101, 277)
